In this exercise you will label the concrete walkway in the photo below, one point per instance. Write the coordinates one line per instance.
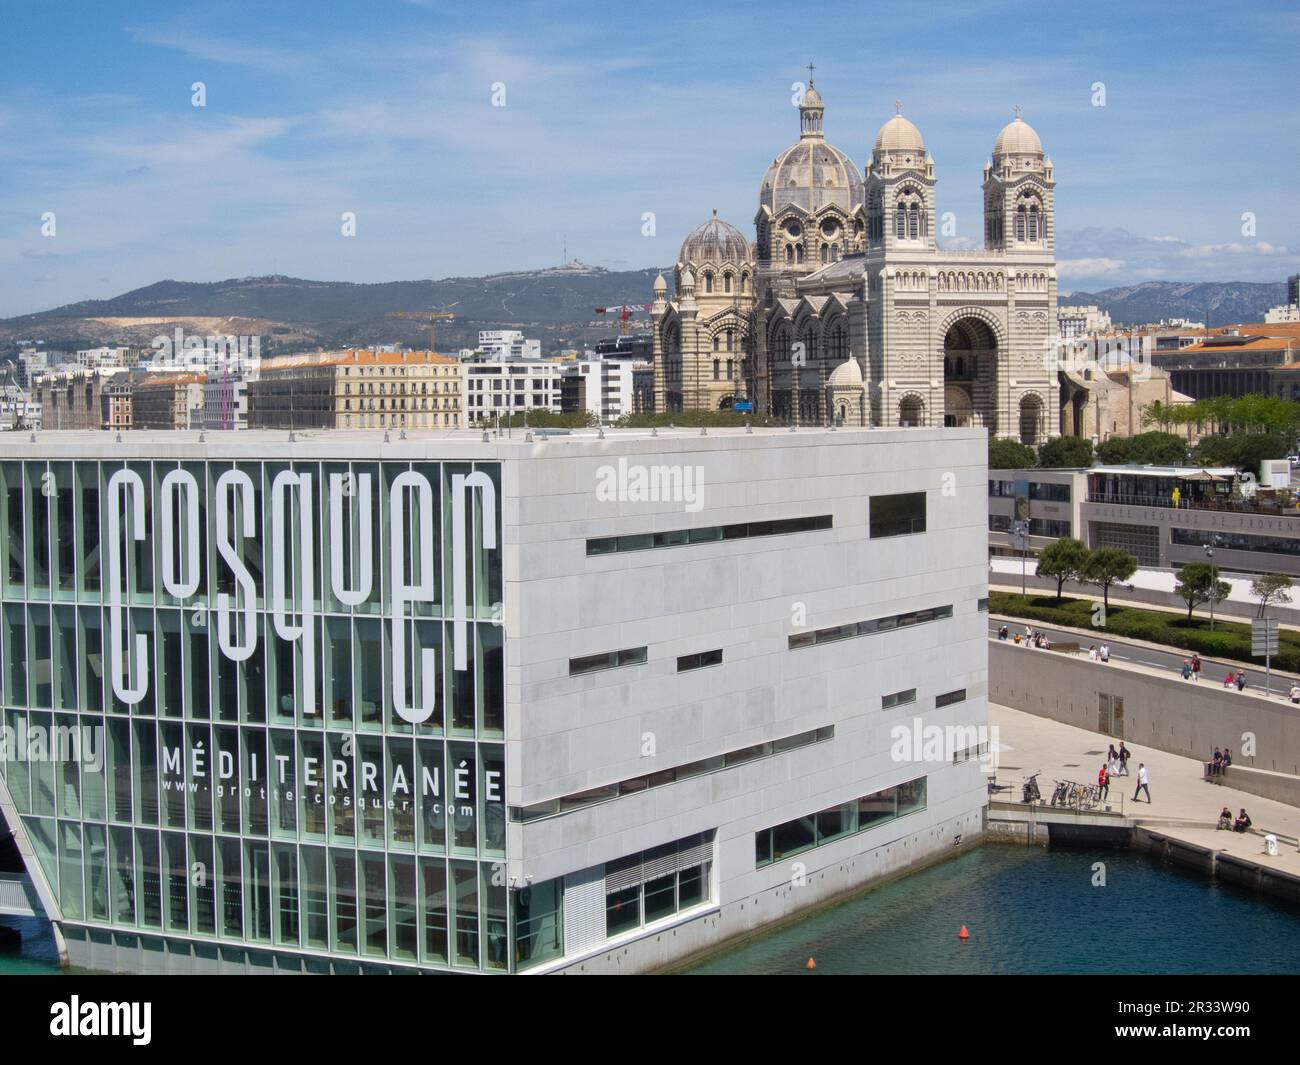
(1157, 659)
(1183, 806)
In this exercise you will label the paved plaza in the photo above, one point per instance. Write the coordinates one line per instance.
(1182, 805)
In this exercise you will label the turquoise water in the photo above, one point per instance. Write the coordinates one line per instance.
(1035, 911)
(1028, 911)
(37, 954)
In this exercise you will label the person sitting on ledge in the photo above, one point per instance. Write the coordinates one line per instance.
(1227, 761)
(1243, 821)
(1214, 767)
(1225, 819)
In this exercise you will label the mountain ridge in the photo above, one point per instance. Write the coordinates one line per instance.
(556, 305)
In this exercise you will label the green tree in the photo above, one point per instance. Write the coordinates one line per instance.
(1010, 455)
(1116, 451)
(1271, 588)
(1063, 561)
(695, 419)
(1107, 565)
(1214, 451)
(1159, 414)
(1159, 449)
(1065, 452)
(1198, 582)
(1250, 449)
(543, 419)
(1153, 448)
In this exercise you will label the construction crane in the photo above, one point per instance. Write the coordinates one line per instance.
(433, 322)
(624, 311)
(433, 327)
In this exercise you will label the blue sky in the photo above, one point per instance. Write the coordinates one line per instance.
(385, 109)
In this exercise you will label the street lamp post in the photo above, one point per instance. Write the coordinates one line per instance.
(1020, 528)
(1214, 575)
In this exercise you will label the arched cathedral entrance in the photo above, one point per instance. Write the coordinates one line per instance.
(970, 368)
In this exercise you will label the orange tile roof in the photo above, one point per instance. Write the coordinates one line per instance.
(1265, 343)
(357, 357)
(184, 378)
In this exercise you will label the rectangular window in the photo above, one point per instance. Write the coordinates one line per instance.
(897, 515)
(845, 819)
(632, 656)
(898, 699)
(868, 628)
(654, 884)
(948, 698)
(699, 661)
(605, 545)
(566, 803)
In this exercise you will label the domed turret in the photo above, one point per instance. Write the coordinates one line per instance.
(900, 135)
(1018, 147)
(1018, 136)
(715, 241)
(899, 146)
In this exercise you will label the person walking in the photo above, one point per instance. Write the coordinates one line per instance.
(1241, 680)
(1103, 783)
(1196, 667)
(1142, 782)
(1104, 652)
(1123, 759)
(1187, 669)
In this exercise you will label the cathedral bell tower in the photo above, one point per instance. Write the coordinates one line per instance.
(1018, 192)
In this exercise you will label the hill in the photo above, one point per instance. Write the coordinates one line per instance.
(1211, 302)
(557, 305)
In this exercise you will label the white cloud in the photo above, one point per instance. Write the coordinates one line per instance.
(1205, 251)
(1090, 267)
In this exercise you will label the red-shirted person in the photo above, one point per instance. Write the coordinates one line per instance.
(1103, 782)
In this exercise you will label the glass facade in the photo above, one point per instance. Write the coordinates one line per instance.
(848, 818)
(262, 702)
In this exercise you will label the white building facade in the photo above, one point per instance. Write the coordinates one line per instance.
(580, 703)
(500, 389)
(602, 387)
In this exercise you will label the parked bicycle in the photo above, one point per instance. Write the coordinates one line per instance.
(1029, 792)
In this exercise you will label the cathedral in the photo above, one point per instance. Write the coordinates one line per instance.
(844, 309)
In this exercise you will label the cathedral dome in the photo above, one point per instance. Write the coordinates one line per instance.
(811, 174)
(1018, 138)
(715, 241)
(899, 135)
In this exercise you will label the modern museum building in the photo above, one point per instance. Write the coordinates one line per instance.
(454, 701)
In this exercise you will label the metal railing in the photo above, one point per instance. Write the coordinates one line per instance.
(1188, 503)
(1077, 798)
(17, 895)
